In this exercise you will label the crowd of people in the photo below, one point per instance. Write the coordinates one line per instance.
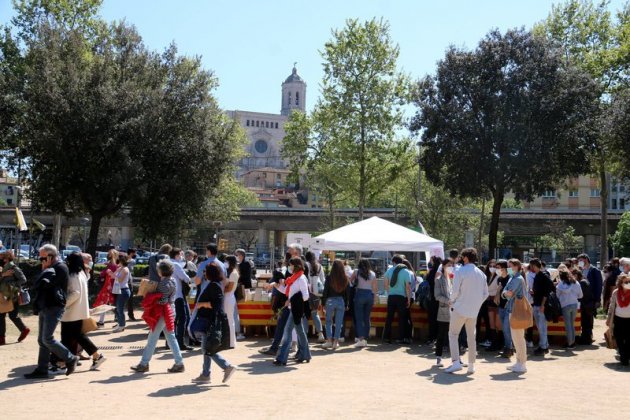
(459, 295)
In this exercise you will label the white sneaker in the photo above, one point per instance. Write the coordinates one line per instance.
(118, 328)
(471, 369)
(439, 363)
(360, 343)
(327, 345)
(321, 338)
(530, 344)
(335, 345)
(455, 367)
(342, 340)
(518, 368)
(240, 337)
(512, 367)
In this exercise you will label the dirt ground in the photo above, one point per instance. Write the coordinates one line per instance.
(377, 382)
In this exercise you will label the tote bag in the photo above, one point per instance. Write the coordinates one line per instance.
(522, 314)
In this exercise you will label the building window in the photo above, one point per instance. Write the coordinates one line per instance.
(261, 146)
(613, 206)
(297, 98)
(595, 192)
(622, 203)
(9, 201)
(289, 101)
(276, 125)
(256, 123)
(247, 124)
(574, 193)
(266, 124)
(549, 194)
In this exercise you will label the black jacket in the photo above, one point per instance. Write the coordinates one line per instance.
(542, 287)
(49, 290)
(245, 274)
(213, 294)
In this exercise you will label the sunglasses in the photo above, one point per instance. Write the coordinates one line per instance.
(44, 258)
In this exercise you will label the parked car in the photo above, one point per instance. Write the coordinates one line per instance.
(101, 257)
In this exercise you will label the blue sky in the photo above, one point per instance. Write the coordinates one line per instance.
(251, 45)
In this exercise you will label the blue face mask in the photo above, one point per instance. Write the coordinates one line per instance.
(510, 271)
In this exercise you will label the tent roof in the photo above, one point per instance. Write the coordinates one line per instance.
(376, 234)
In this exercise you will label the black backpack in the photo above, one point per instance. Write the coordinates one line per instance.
(553, 309)
(394, 279)
(423, 295)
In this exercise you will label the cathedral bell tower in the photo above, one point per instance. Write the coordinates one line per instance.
(293, 93)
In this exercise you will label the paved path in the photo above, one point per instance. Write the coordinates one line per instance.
(378, 382)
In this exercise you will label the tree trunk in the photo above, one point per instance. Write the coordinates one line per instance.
(494, 222)
(92, 242)
(362, 182)
(603, 181)
(331, 210)
(480, 242)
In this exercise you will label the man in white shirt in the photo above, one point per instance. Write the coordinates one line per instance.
(182, 311)
(470, 290)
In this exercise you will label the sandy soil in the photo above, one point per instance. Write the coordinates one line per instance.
(380, 381)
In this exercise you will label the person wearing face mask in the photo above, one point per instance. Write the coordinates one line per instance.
(442, 293)
(619, 318)
(49, 300)
(489, 319)
(516, 288)
(624, 264)
(504, 274)
(10, 283)
(245, 280)
(542, 287)
(182, 288)
(470, 290)
(610, 273)
(594, 278)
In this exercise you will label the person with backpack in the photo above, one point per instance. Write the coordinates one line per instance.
(366, 290)
(569, 292)
(11, 282)
(426, 298)
(316, 280)
(542, 287)
(398, 287)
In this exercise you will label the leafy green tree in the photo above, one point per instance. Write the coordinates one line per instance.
(509, 116)
(621, 238)
(564, 241)
(598, 43)
(114, 126)
(362, 97)
(619, 120)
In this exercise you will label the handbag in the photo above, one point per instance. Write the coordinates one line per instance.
(24, 297)
(89, 325)
(116, 287)
(314, 302)
(147, 286)
(611, 343)
(6, 305)
(522, 314)
(218, 336)
(199, 327)
(239, 293)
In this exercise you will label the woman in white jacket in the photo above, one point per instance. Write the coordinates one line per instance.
(229, 299)
(77, 309)
(568, 292)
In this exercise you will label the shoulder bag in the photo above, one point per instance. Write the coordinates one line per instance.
(522, 313)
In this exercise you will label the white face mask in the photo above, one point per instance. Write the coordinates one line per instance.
(226, 265)
(581, 264)
(290, 269)
(239, 259)
(90, 265)
(626, 286)
(493, 270)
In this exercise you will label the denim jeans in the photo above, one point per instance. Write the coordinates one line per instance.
(182, 318)
(237, 320)
(152, 343)
(541, 324)
(303, 350)
(335, 308)
(317, 322)
(121, 304)
(218, 359)
(285, 313)
(49, 318)
(505, 326)
(363, 302)
(569, 313)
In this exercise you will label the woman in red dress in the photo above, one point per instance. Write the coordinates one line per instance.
(105, 296)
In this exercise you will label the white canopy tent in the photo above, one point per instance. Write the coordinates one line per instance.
(376, 234)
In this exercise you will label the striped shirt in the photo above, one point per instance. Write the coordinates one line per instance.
(167, 287)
